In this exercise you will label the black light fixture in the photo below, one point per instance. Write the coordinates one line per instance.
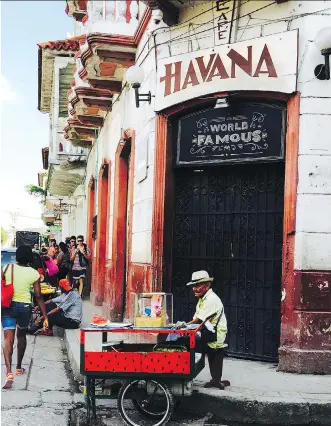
(135, 77)
(323, 44)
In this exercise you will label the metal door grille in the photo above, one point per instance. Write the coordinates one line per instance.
(229, 221)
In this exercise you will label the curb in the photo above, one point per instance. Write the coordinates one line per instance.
(236, 408)
(261, 410)
(73, 355)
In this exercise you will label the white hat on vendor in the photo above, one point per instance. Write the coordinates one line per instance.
(200, 277)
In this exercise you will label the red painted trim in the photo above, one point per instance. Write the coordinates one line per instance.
(139, 281)
(290, 201)
(90, 213)
(82, 337)
(140, 31)
(102, 240)
(123, 198)
(312, 292)
(159, 192)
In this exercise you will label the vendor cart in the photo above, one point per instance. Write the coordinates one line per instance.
(153, 372)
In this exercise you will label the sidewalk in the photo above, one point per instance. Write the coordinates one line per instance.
(258, 393)
(43, 395)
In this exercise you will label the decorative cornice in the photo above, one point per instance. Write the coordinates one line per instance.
(118, 42)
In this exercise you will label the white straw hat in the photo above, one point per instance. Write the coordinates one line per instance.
(200, 277)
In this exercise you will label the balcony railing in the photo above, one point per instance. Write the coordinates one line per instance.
(112, 17)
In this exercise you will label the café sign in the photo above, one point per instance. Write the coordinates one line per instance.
(243, 132)
(263, 64)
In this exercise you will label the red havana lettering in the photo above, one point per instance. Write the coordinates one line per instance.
(204, 71)
(191, 77)
(197, 72)
(218, 69)
(243, 63)
(265, 57)
(168, 77)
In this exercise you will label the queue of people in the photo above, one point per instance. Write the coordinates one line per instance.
(67, 260)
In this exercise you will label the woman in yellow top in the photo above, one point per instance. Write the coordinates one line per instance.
(19, 313)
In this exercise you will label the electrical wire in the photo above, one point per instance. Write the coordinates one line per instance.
(188, 36)
(166, 29)
(180, 37)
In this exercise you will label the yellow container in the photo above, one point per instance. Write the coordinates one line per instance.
(153, 310)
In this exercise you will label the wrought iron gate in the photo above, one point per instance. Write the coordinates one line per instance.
(229, 221)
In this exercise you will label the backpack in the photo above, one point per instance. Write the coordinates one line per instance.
(7, 290)
(82, 261)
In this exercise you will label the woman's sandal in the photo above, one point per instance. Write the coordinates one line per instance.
(20, 371)
(9, 381)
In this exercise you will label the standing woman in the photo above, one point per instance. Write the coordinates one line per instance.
(17, 316)
(72, 248)
(52, 249)
(63, 261)
(80, 258)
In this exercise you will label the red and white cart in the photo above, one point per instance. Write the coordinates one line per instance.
(152, 375)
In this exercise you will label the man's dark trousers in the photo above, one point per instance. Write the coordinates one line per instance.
(59, 319)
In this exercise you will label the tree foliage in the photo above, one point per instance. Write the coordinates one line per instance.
(35, 190)
(3, 236)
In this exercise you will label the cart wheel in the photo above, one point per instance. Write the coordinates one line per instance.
(145, 403)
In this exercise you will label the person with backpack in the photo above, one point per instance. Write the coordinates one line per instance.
(80, 256)
(17, 281)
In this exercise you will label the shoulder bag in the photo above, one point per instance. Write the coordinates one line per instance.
(82, 260)
(207, 335)
(7, 289)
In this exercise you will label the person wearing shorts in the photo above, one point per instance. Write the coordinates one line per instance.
(80, 258)
(17, 316)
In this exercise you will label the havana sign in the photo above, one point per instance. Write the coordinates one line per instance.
(263, 64)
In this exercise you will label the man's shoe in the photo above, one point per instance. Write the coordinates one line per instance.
(44, 332)
(214, 384)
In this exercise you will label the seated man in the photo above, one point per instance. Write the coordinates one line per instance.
(64, 311)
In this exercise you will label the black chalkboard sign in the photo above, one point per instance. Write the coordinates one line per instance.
(242, 132)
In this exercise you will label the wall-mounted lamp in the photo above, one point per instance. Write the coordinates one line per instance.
(323, 44)
(135, 76)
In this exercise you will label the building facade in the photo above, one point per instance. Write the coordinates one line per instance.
(64, 164)
(212, 153)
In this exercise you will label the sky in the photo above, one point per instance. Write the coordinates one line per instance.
(24, 130)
